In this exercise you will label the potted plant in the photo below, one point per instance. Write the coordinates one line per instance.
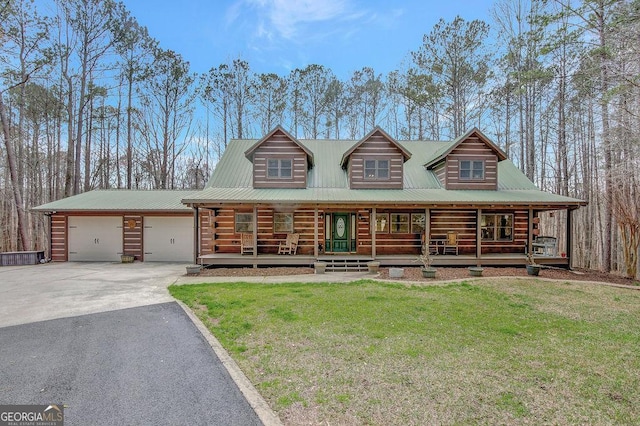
(320, 267)
(373, 267)
(427, 270)
(475, 271)
(532, 268)
(193, 269)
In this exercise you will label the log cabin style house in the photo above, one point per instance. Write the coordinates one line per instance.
(341, 201)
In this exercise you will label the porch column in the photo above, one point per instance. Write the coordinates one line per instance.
(530, 236)
(373, 232)
(569, 237)
(196, 235)
(427, 229)
(213, 229)
(315, 232)
(255, 234)
(479, 236)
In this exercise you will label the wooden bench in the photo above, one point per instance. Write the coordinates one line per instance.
(545, 246)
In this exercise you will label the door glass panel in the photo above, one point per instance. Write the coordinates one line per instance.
(340, 227)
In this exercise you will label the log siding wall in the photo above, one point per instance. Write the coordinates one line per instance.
(279, 147)
(218, 234)
(463, 222)
(207, 228)
(388, 243)
(520, 232)
(132, 236)
(376, 147)
(472, 149)
(58, 238)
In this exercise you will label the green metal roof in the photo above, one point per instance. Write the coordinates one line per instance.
(328, 182)
(121, 199)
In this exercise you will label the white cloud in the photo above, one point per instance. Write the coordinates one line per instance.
(287, 19)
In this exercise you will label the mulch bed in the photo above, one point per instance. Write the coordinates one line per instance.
(443, 274)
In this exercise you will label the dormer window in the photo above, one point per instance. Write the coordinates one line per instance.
(279, 168)
(376, 169)
(471, 170)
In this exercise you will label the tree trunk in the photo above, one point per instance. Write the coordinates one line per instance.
(13, 172)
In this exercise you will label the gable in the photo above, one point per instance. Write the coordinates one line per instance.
(279, 161)
(278, 134)
(470, 162)
(377, 132)
(375, 162)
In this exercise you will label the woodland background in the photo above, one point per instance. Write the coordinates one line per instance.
(90, 100)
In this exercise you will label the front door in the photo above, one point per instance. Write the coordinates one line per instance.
(340, 232)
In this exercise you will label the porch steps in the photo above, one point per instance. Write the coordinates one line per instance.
(346, 264)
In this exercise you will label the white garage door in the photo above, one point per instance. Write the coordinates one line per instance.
(168, 239)
(95, 239)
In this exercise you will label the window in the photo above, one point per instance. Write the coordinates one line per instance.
(471, 170)
(279, 168)
(244, 222)
(417, 223)
(382, 222)
(497, 227)
(376, 169)
(282, 223)
(399, 223)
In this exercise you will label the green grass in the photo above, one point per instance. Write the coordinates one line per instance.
(503, 352)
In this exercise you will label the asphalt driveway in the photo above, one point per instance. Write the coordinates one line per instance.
(137, 366)
(109, 342)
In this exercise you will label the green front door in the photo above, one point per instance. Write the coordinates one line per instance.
(340, 232)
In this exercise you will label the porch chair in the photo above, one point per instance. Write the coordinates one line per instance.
(246, 243)
(290, 245)
(451, 244)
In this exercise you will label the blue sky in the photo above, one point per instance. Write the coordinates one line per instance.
(280, 35)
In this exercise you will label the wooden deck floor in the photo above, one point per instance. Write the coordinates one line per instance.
(221, 260)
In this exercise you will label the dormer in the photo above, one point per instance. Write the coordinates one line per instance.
(279, 161)
(375, 162)
(470, 162)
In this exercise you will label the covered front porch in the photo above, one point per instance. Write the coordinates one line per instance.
(240, 235)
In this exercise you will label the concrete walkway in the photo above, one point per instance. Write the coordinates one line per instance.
(329, 277)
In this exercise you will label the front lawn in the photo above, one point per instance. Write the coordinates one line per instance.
(488, 352)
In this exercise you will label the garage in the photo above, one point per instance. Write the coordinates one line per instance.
(95, 238)
(168, 239)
